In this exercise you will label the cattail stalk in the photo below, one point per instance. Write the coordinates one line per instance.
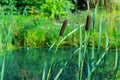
(88, 22)
(63, 27)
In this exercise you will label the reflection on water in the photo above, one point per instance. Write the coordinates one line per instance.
(29, 64)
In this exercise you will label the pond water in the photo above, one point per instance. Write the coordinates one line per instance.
(28, 64)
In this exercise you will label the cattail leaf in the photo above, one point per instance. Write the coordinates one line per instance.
(78, 49)
(43, 76)
(3, 66)
(0, 42)
(93, 55)
(49, 73)
(89, 72)
(116, 63)
(80, 55)
(107, 42)
(94, 17)
(83, 57)
(60, 71)
(100, 36)
(51, 47)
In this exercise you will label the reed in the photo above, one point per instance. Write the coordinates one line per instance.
(44, 72)
(116, 66)
(92, 65)
(3, 68)
(100, 36)
(55, 52)
(80, 56)
(63, 27)
(61, 34)
(5, 40)
(94, 17)
(88, 21)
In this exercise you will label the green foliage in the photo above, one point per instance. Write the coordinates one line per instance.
(56, 8)
(51, 36)
(47, 8)
(8, 6)
(35, 38)
(33, 30)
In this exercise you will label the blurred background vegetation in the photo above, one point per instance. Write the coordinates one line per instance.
(48, 8)
(51, 8)
(30, 21)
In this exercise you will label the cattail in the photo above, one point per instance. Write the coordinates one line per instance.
(87, 26)
(63, 27)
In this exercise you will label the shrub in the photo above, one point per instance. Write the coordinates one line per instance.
(56, 8)
(47, 8)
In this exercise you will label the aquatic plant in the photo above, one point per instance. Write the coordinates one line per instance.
(63, 27)
(88, 21)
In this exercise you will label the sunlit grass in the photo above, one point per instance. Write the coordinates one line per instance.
(38, 28)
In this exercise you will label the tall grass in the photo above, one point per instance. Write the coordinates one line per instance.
(116, 63)
(2, 70)
(44, 72)
(5, 40)
(80, 55)
(58, 44)
(84, 58)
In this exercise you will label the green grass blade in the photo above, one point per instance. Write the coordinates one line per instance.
(78, 49)
(94, 17)
(79, 55)
(0, 39)
(83, 57)
(43, 76)
(100, 35)
(51, 47)
(0, 42)
(60, 71)
(107, 42)
(88, 65)
(93, 55)
(49, 72)
(84, 53)
(116, 63)
(3, 66)
(57, 76)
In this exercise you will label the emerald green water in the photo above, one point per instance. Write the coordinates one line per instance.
(28, 64)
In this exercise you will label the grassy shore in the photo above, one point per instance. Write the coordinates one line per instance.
(35, 31)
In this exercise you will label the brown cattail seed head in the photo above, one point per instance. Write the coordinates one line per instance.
(87, 26)
(63, 27)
